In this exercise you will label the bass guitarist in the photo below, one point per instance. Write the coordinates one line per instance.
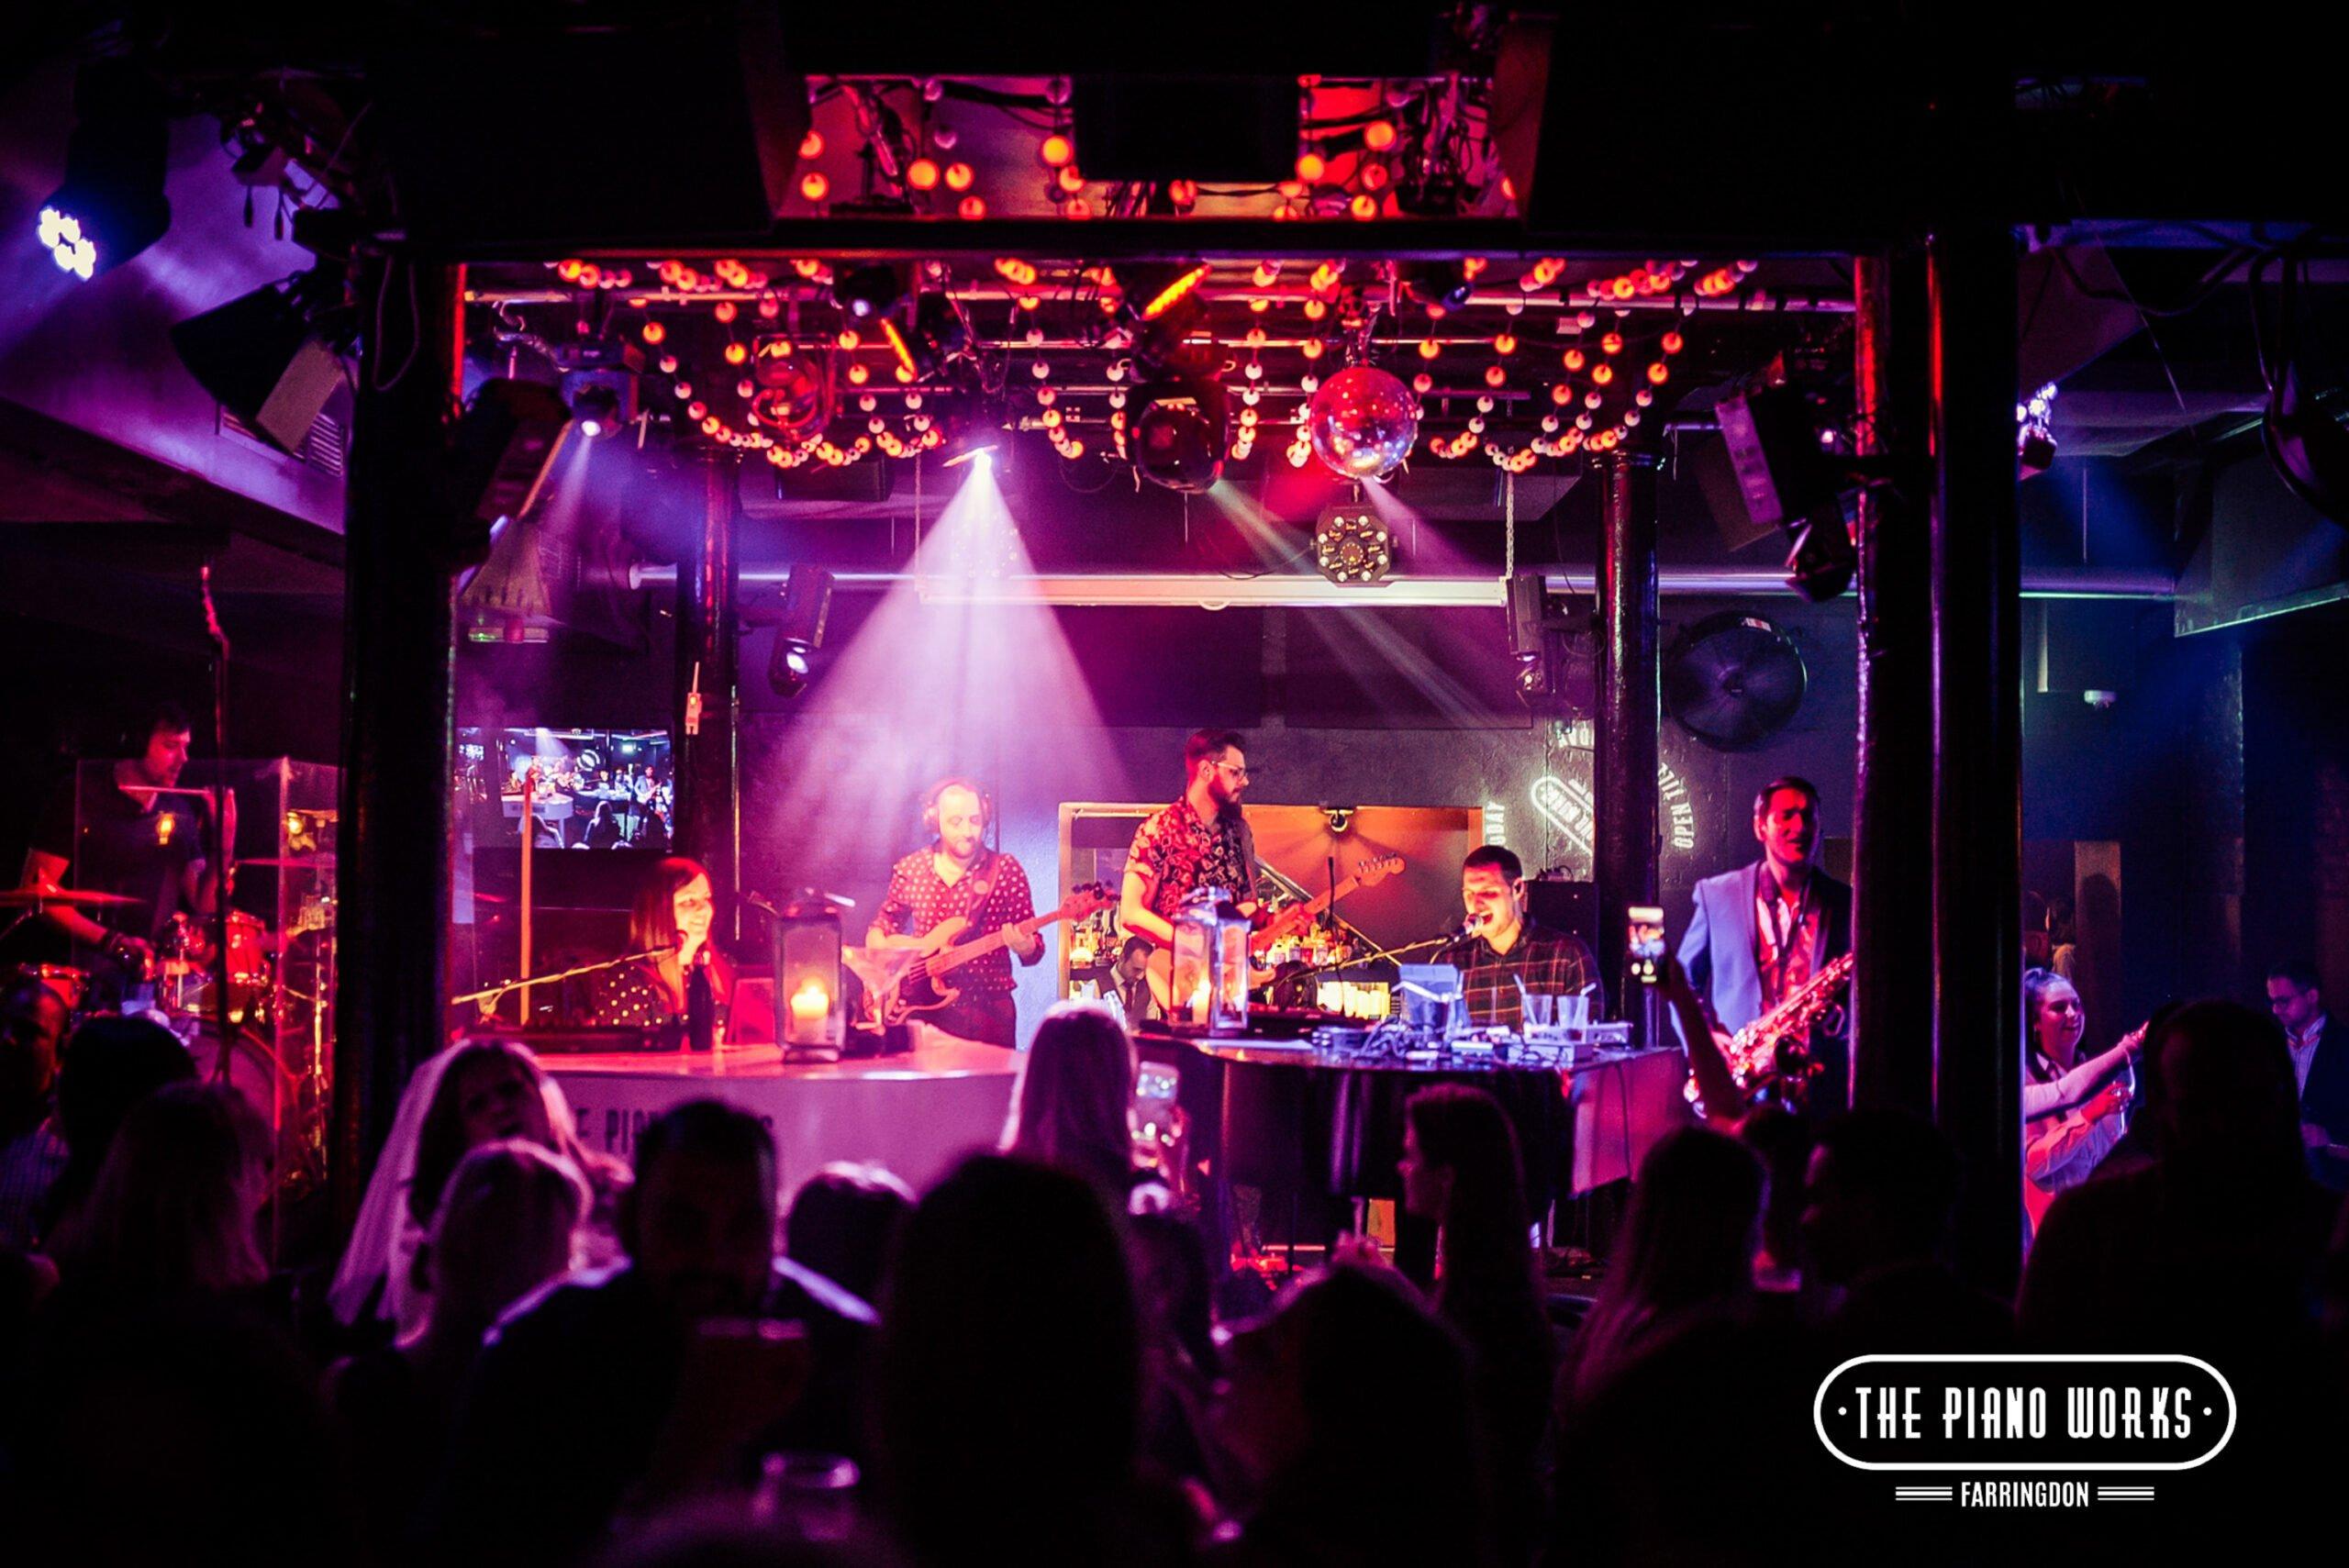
(958, 876)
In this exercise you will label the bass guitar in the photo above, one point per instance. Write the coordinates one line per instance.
(918, 987)
(1274, 927)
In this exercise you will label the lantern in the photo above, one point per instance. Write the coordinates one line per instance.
(811, 1019)
(1210, 990)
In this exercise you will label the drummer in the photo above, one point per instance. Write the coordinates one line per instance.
(133, 831)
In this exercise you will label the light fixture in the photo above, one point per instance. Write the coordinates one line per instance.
(595, 409)
(1444, 284)
(2035, 441)
(271, 357)
(1178, 435)
(503, 446)
(1786, 482)
(1153, 289)
(111, 206)
(1351, 545)
(799, 629)
(811, 1018)
(867, 291)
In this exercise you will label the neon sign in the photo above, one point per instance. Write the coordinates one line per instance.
(1568, 806)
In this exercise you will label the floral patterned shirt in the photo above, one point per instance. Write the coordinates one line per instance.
(1181, 854)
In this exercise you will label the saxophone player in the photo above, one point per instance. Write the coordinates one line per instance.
(1757, 934)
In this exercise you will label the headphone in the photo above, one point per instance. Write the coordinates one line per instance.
(930, 802)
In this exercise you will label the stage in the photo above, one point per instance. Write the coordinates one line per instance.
(916, 1114)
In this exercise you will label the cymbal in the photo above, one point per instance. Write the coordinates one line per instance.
(21, 897)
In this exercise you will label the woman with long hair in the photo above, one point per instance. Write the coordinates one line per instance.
(1685, 1254)
(1461, 1170)
(672, 919)
(507, 1224)
(2064, 1143)
(171, 1215)
(476, 1093)
(1072, 1108)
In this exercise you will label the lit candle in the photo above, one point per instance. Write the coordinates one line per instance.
(809, 1005)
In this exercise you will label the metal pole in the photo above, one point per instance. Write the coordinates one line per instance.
(1624, 866)
(1892, 902)
(529, 849)
(1977, 739)
(392, 838)
(708, 659)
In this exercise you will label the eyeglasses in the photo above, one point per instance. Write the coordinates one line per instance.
(1236, 770)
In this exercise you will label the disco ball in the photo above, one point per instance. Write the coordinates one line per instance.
(1364, 422)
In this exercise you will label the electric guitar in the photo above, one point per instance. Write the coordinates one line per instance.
(1274, 926)
(918, 987)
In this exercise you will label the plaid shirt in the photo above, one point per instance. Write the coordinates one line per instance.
(1546, 960)
(991, 894)
(1182, 854)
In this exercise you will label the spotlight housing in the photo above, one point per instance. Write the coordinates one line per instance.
(111, 206)
(272, 357)
(503, 446)
(867, 291)
(799, 629)
(1351, 545)
(1178, 434)
(595, 409)
(1787, 481)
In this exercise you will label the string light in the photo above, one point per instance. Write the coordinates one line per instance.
(1378, 135)
(1311, 166)
(1506, 343)
(654, 332)
(922, 174)
(814, 187)
(812, 144)
(1364, 207)
(1056, 150)
(958, 176)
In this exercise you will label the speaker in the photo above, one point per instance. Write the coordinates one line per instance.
(1570, 906)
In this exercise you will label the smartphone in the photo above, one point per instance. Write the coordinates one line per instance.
(1647, 944)
(1156, 1081)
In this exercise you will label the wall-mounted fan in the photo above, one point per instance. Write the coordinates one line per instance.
(1733, 681)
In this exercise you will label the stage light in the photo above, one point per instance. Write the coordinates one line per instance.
(272, 357)
(1177, 438)
(866, 292)
(2035, 442)
(1444, 284)
(807, 606)
(1351, 545)
(1785, 482)
(595, 409)
(111, 206)
(499, 455)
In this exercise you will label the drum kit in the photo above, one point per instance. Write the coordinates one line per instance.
(277, 1053)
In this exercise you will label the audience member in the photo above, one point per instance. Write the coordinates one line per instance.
(2063, 1146)
(1174, 1286)
(1073, 1108)
(473, 1093)
(1686, 1253)
(622, 1387)
(506, 1225)
(1781, 1139)
(1878, 1220)
(843, 1222)
(1460, 1170)
(1009, 1381)
(2214, 1251)
(2319, 1068)
(1350, 1410)
(109, 1064)
(32, 1026)
(171, 1215)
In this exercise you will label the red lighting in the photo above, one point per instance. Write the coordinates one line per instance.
(1378, 135)
(1428, 349)
(654, 331)
(1183, 194)
(1310, 167)
(1658, 374)
(1573, 358)
(1602, 373)
(1374, 177)
(898, 346)
(958, 176)
(737, 353)
(814, 187)
(1056, 150)
(922, 174)
(1012, 270)
(568, 270)
(725, 311)
(973, 208)
(812, 145)
(1069, 179)
(1674, 342)
(1365, 207)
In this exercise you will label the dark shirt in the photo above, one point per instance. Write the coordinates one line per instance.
(568, 1399)
(137, 847)
(1182, 854)
(635, 995)
(1556, 963)
(991, 894)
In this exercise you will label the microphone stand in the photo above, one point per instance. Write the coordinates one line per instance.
(489, 997)
(220, 845)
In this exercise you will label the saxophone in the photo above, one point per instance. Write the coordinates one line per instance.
(1772, 1052)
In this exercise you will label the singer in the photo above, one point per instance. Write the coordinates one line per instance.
(1500, 949)
(689, 987)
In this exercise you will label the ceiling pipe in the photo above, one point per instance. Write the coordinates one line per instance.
(1290, 591)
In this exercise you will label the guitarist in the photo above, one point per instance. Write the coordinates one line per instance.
(1201, 840)
(958, 875)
